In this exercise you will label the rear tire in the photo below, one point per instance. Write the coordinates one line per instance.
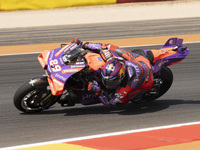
(29, 99)
(166, 76)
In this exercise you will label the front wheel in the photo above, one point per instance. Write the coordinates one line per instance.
(30, 99)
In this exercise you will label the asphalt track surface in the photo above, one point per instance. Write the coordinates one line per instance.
(180, 104)
(98, 31)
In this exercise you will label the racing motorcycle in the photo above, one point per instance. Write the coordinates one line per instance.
(69, 68)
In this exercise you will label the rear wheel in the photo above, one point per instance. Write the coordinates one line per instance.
(30, 99)
(165, 79)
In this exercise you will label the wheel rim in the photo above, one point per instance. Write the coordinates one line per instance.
(37, 100)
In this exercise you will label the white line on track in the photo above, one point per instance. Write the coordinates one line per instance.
(101, 135)
(119, 46)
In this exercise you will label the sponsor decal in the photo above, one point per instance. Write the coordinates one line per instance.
(94, 46)
(66, 71)
(163, 62)
(137, 70)
(171, 42)
(147, 70)
(61, 50)
(79, 63)
(99, 58)
(137, 74)
(107, 54)
(86, 96)
(71, 47)
(61, 61)
(33, 81)
(51, 55)
(130, 71)
(77, 66)
(58, 76)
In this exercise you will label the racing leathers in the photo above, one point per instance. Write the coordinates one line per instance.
(138, 73)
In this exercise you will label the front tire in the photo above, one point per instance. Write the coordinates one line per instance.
(29, 99)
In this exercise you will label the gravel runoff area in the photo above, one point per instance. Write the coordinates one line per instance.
(101, 14)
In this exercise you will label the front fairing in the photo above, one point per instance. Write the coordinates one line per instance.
(59, 71)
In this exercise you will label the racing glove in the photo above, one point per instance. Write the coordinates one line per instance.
(104, 99)
(85, 45)
(117, 99)
(94, 87)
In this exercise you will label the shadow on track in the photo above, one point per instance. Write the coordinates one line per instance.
(126, 109)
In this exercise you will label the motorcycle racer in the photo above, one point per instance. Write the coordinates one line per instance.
(127, 73)
(100, 73)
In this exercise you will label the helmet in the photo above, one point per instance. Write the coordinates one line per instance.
(113, 72)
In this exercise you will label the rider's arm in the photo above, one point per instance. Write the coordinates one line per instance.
(99, 48)
(95, 47)
(94, 87)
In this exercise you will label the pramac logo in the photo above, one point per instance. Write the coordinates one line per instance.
(66, 71)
